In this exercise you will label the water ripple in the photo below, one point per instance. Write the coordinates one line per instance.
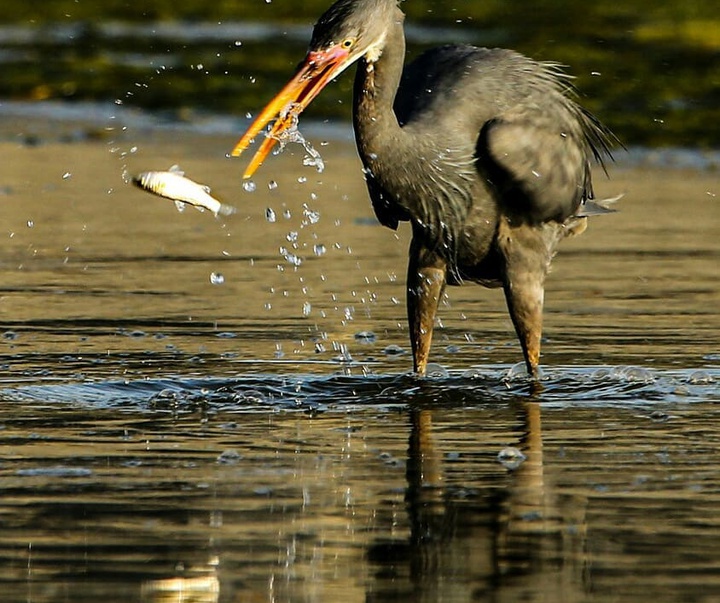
(561, 387)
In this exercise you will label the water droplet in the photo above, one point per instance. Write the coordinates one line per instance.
(229, 457)
(659, 416)
(272, 185)
(30, 223)
(66, 175)
(238, 43)
(472, 373)
(270, 215)
(312, 216)
(637, 374)
(517, 371)
(306, 309)
(286, 214)
(302, 179)
(700, 377)
(249, 186)
(319, 249)
(216, 278)
(436, 371)
(511, 457)
(365, 337)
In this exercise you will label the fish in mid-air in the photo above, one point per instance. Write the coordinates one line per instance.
(172, 184)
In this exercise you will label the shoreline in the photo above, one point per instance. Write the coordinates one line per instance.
(35, 123)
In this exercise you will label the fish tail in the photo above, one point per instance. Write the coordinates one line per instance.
(226, 210)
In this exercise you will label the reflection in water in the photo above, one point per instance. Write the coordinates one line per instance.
(540, 538)
(222, 496)
(511, 541)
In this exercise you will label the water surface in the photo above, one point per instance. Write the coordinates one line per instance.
(170, 435)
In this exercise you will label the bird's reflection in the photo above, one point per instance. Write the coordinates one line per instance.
(508, 538)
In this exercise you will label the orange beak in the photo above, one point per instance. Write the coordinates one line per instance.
(313, 74)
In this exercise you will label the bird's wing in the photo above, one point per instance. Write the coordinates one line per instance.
(538, 171)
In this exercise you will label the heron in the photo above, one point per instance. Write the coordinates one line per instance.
(485, 152)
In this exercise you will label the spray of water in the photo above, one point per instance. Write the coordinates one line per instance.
(293, 135)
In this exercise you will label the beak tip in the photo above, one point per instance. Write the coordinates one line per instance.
(251, 169)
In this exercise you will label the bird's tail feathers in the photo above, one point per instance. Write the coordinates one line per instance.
(598, 207)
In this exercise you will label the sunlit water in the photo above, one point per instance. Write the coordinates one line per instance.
(202, 409)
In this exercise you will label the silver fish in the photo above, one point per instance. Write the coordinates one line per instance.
(173, 184)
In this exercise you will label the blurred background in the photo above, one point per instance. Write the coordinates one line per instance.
(650, 69)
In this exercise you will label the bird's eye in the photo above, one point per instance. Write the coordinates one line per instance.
(347, 43)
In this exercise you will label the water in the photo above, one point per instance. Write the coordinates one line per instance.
(291, 134)
(295, 488)
(167, 439)
(218, 409)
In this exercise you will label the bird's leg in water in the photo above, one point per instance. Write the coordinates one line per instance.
(425, 286)
(527, 253)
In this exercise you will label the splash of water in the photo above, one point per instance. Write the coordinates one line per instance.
(292, 134)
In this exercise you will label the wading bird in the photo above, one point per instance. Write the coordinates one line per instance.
(483, 151)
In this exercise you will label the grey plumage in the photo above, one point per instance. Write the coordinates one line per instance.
(484, 151)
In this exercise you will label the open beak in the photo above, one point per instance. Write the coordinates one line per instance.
(313, 74)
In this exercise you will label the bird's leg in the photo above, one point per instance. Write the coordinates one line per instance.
(425, 286)
(527, 256)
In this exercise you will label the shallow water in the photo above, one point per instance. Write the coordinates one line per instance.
(170, 435)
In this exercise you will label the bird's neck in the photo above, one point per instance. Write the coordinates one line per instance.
(377, 130)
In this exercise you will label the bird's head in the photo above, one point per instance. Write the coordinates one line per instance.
(350, 29)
